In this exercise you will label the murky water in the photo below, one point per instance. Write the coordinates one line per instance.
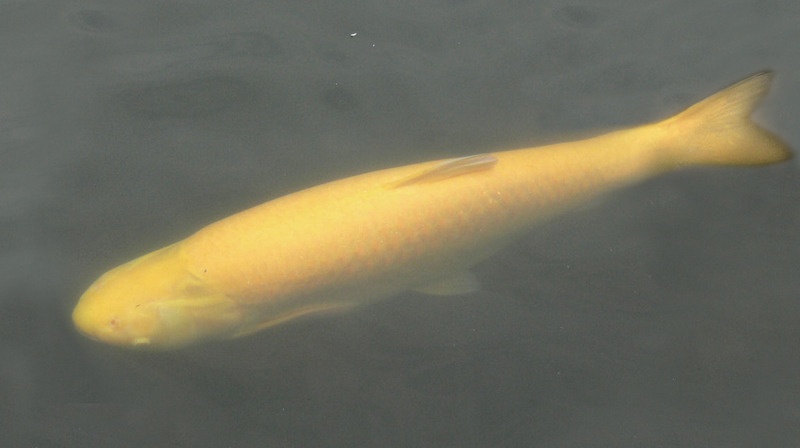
(666, 315)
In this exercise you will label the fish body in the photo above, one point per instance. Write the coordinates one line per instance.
(360, 239)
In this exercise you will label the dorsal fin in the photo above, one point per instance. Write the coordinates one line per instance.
(449, 168)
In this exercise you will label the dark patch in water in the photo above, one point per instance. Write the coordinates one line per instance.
(341, 99)
(578, 16)
(94, 21)
(250, 44)
(188, 98)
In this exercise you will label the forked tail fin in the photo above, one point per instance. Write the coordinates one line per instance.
(718, 129)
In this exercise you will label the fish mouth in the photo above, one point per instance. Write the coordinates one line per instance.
(138, 343)
(82, 323)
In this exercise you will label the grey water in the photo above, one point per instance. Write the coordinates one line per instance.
(666, 315)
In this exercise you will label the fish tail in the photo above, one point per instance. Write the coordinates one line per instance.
(718, 129)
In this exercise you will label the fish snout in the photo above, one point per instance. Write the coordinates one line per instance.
(105, 325)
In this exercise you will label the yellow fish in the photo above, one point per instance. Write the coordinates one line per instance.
(418, 227)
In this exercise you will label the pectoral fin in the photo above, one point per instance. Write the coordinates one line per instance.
(462, 283)
(291, 315)
(448, 169)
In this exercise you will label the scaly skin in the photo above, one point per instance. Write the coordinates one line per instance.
(357, 240)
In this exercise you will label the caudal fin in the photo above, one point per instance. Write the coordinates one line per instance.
(718, 129)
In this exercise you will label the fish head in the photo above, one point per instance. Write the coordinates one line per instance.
(153, 302)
